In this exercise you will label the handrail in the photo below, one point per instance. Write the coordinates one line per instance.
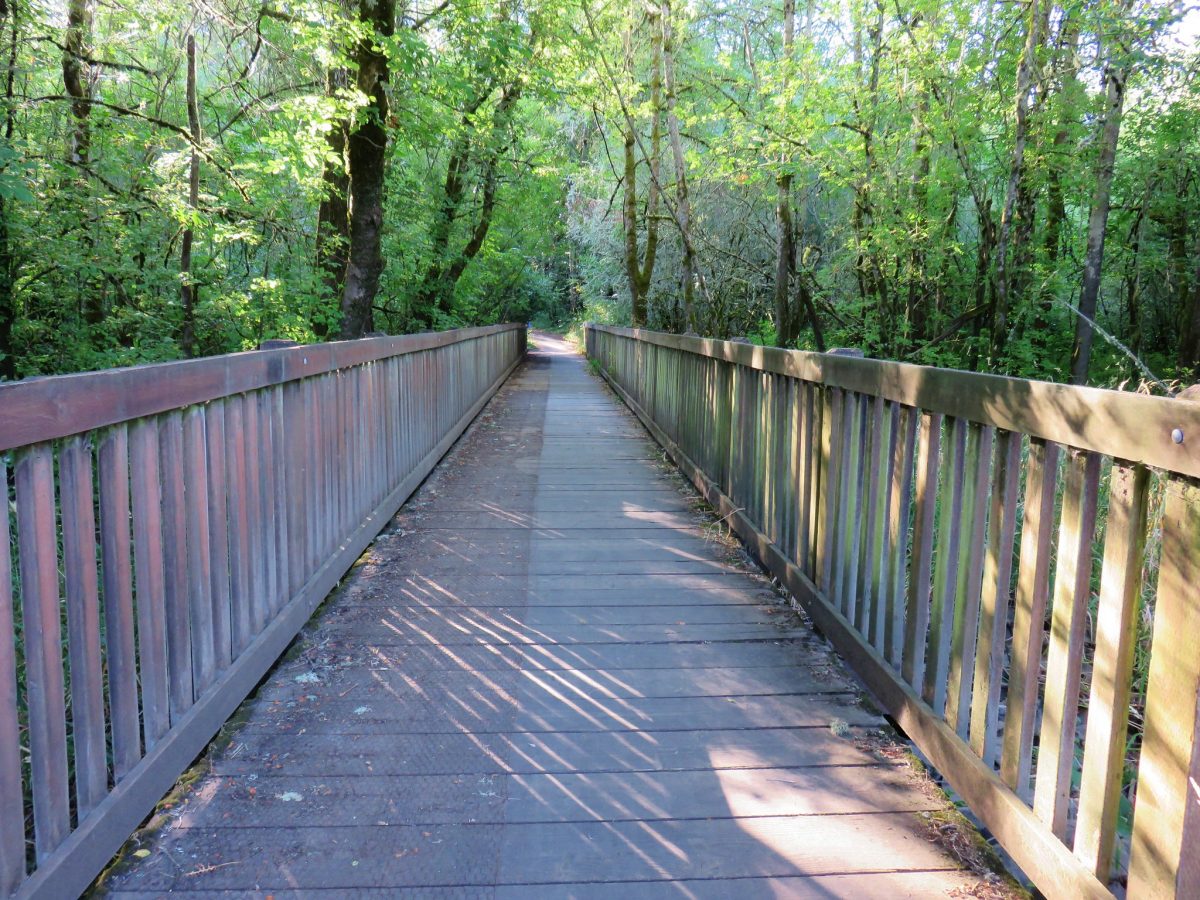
(198, 513)
(977, 548)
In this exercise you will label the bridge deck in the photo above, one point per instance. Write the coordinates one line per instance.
(547, 680)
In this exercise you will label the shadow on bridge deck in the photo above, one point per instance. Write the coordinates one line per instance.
(547, 680)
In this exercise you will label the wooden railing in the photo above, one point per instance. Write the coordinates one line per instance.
(173, 527)
(989, 554)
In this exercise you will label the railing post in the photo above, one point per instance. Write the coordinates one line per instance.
(1166, 823)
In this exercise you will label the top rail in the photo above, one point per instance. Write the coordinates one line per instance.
(44, 409)
(1132, 427)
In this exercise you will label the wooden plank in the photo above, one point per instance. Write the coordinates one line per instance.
(237, 488)
(311, 491)
(795, 455)
(810, 501)
(945, 581)
(899, 506)
(1064, 663)
(256, 558)
(268, 490)
(116, 549)
(1187, 879)
(199, 549)
(855, 511)
(282, 508)
(1112, 668)
(63, 405)
(12, 791)
(842, 521)
(293, 417)
(45, 692)
(218, 531)
(831, 459)
(1165, 790)
(994, 599)
(964, 645)
(1030, 613)
(916, 620)
(1133, 427)
(148, 571)
(83, 624)
(868, 620)
(175, 556)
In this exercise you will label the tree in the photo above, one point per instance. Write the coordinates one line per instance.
(367, 154)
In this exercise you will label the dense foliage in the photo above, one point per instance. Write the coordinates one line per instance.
(957, 183)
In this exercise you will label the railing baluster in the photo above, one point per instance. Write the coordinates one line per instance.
(148, 572)
(964, 646)
(916, 620)
(44, 688)
(116, 549)
(1112, 668)
(945, 577)
(12, 792)
(218, 531)
(83, 624)
(1166, 818)
(899, 506)
(1064, 663)
(199, 549)
(1032, 591)
(994, 601)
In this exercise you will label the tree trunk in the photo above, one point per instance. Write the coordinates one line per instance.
(629, 217)
(1189, 347)
(367, 145)
(785, 246)
(187, 289)
(1016, 178)
(1115, 77)
(333, 215)
(683, 209)
(76, 79)
(640, 273)
(8, 301)
(445, 270)
(1056, 207)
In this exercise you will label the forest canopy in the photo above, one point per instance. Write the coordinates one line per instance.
(1009, 186)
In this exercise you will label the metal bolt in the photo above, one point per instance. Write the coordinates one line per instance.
(1177, 435)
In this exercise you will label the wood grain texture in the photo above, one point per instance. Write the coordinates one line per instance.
(116, 548)
(995, 600)
(1033, 589)
(1112, 668)
(62, 405)
(1068, 621)
(45, 691)
(83, 624)
(1133, 427)
(12, 793)
(916, 617)
(1167, 795)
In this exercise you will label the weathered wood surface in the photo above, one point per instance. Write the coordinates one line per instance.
(547, 680)
(1133, 427)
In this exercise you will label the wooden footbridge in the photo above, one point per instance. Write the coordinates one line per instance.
(546, 674)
